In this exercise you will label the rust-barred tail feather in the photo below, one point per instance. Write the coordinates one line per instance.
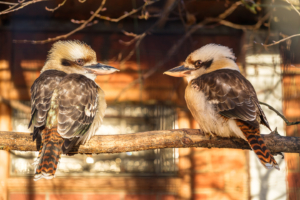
(258, 145)
(49, 154)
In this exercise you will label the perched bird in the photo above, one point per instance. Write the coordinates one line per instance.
(222, 100)
(67, 105)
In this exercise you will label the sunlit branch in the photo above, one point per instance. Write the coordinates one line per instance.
(180, 138)
(17, 6)
(293, 6)
(8, 3)
(282, 40)
(58, 6)
(147, 3)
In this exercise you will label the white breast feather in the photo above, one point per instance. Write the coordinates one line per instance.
(208, 119)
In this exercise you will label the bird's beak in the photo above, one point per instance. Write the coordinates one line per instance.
(101, 69)
(179, 71)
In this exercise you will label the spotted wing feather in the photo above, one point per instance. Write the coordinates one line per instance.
(78, 100)
(41, 94)
(232, 95)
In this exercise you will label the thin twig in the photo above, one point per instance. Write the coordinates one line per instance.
(293, 6)
(138, 39)
(19, 6)
(288, 123)
(58, 6)
(284, 39)
(147, 3)
(8, 3)
(82, 26)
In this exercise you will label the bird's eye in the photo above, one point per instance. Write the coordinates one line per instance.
(80, 62)
(198, 63)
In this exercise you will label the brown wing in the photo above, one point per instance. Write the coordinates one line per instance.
(77, 99)
(232, 94)
(41, 93)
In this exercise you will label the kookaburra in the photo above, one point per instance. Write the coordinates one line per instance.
(67, 105)
(222, 100)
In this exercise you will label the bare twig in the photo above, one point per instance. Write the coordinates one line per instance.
(288, 123)
(58, 6)
(293, 6)
(279, 41)
(138, 40)
(17, 6)
(82, 26)
(147, 3)
(286, 38)
(181, 138)
(8, 3)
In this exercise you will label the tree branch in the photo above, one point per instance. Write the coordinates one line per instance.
(285, 38)
(180, 138)
(279, 41)
(17, 6)
(293, 6)
(82, 26)
(288, 123)
(147, 3)
(57, 7)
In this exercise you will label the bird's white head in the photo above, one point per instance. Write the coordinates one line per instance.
(208, 58)
(75, 57)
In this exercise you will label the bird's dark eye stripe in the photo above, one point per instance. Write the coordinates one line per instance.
(206, 64)
(65, 62)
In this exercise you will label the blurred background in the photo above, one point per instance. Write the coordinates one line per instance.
(143, 39)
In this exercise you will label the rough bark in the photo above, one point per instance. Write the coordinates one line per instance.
(180, 138)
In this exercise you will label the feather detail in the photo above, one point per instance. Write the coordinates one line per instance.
(258, 145)
(49, 154)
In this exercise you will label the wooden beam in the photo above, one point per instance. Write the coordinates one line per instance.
(180, 138)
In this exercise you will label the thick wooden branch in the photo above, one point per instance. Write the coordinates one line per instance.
(179, 138)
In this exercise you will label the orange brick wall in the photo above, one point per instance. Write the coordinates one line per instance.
(220, 174)
(291, 99)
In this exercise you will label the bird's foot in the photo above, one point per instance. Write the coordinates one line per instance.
(275, 132)
(208, 136)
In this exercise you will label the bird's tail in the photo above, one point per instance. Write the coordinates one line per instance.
(258, 145)
(49, 154)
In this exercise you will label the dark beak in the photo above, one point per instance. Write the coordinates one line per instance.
(179, 71)
(101, 69)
